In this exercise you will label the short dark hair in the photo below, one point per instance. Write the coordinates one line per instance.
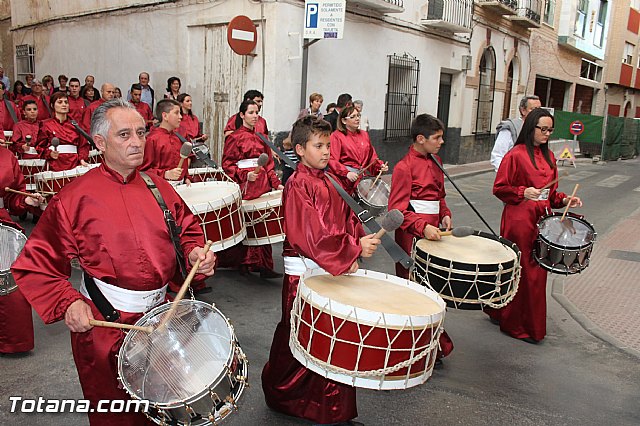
(331, 105)
(57, 96)
(170, 82)
(136, 86)
(74, 80)
(252, 94)
(425, 125)
(344, 100)
(62, 77)
(29, 102)
(306, 127)
(244, 106)
(165, 105)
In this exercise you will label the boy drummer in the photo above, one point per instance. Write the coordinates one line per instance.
(417, 190)
(321, 227)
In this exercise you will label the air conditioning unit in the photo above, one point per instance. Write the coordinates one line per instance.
(466, 62)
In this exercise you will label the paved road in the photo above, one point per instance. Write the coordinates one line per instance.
(572, 378)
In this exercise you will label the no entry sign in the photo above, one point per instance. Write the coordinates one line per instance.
(576, 128)
(242, 35)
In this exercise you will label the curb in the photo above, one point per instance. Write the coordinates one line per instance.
(557, 291)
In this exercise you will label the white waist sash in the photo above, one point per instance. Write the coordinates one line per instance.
(66, 149)
(248, 163)
(127, 300)
(296, 265)
(425, 207)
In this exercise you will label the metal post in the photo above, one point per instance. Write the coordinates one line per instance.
(305, 65)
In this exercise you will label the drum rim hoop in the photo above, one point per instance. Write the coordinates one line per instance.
(513, 246)
(228, 200)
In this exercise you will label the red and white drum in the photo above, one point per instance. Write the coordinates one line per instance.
(95, 156)
(30, 167)
(367, 329)
(206, 174)
(263, 219)
(52, 182)
(218, 205)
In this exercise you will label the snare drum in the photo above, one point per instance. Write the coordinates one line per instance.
(374, 198)
(263, 219)
(468, 272)
(564, 247)
(192, 372)
(11, 243)
(218, 206)
(30, 167)
(366, 329)
(206, 174)
(52, 182)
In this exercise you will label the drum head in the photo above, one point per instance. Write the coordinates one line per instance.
(11, 243)
(180, 362)
(202, 197)
(376, 195)
(267, 200)
(573, 232)
(473, 250)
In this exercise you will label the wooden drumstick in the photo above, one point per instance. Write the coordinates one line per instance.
(547, 186)
(185, 287)
(362, 170)
(566, 209)
(98, 323)
(376, 179)
(26, 194)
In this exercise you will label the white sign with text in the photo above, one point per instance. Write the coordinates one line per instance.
(324, 18)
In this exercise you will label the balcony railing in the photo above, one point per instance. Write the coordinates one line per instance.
(382, 6)
(528, 13)
(449, 15)
(501, 7)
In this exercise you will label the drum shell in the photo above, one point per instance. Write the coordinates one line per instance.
(264, 220)
(7, 283)
(559, 259)
(30, 167)
(470, 281)
(362, 196)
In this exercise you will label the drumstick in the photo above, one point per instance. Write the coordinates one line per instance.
(460, 232)
(547, 186)
(26, 194)
(54, 143)
(362, 170)
(98, 323)
(575, 188)
(185, 150)
(185, 286)
(376, 179)
(390, 222)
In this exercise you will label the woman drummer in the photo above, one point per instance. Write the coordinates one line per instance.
(242, 149)
(72, 149)
(352, 148)
(524, 171)
(16, 325)
(189, 125)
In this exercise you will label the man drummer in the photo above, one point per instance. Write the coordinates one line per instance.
(321, 227)
(417, 190)
(110, 221)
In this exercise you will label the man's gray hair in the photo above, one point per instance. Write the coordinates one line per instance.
(526, 99)
(100, 124)
(358, 102)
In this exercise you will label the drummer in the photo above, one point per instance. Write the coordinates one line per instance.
(110, 221)
(527, 168)
(352, 149)
(73, 149)
(417, 190)
(321, 227)
(25, 132)
(242, 149)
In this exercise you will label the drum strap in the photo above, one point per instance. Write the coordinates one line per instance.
(12, 112)
(172, 226)
(279, 153)
(104, 306)
(395, 251)
(84, 134)
(200, 155)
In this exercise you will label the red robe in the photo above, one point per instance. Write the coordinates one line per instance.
(189, 127)
(86, 115)
(245, 144)
(68, 135)
(320, 226)
(117, 232)
(77, 106)
(20, 130)
(5, 116)
(417, 177)
(145, 111)
(162, 153)
(526, 315)
(354, 150)
(16, 324)
(43, 106)
(261, 125)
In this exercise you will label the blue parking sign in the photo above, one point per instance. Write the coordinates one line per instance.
(311, 15)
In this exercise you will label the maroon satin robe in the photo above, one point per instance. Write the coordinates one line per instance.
(20, 130)
(244, 144)
(354, 150)
(5, 116)
(43, 106)
(261, 125)
(189, 127)
(16, 324)
(526, 315)
(68, 135)
(118, 233)
(88, 112)
(162, 153)
(145, 111)
(77, 107)
(320, 226)
(417, 177)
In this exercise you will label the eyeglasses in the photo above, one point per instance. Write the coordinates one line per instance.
(354, 116)
(548, 130)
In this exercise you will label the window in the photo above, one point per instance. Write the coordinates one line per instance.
(549, 11)
(25, 64)
(581, 18)
(402, 96)
(598, 37)
(590, 71)
(627, 56)
(635, 4)
(486, 91)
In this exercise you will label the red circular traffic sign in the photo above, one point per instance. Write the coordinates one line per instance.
(576, 127)
(242, 35)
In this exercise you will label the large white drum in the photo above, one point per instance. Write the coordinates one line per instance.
(30, 167)
(50, 182)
